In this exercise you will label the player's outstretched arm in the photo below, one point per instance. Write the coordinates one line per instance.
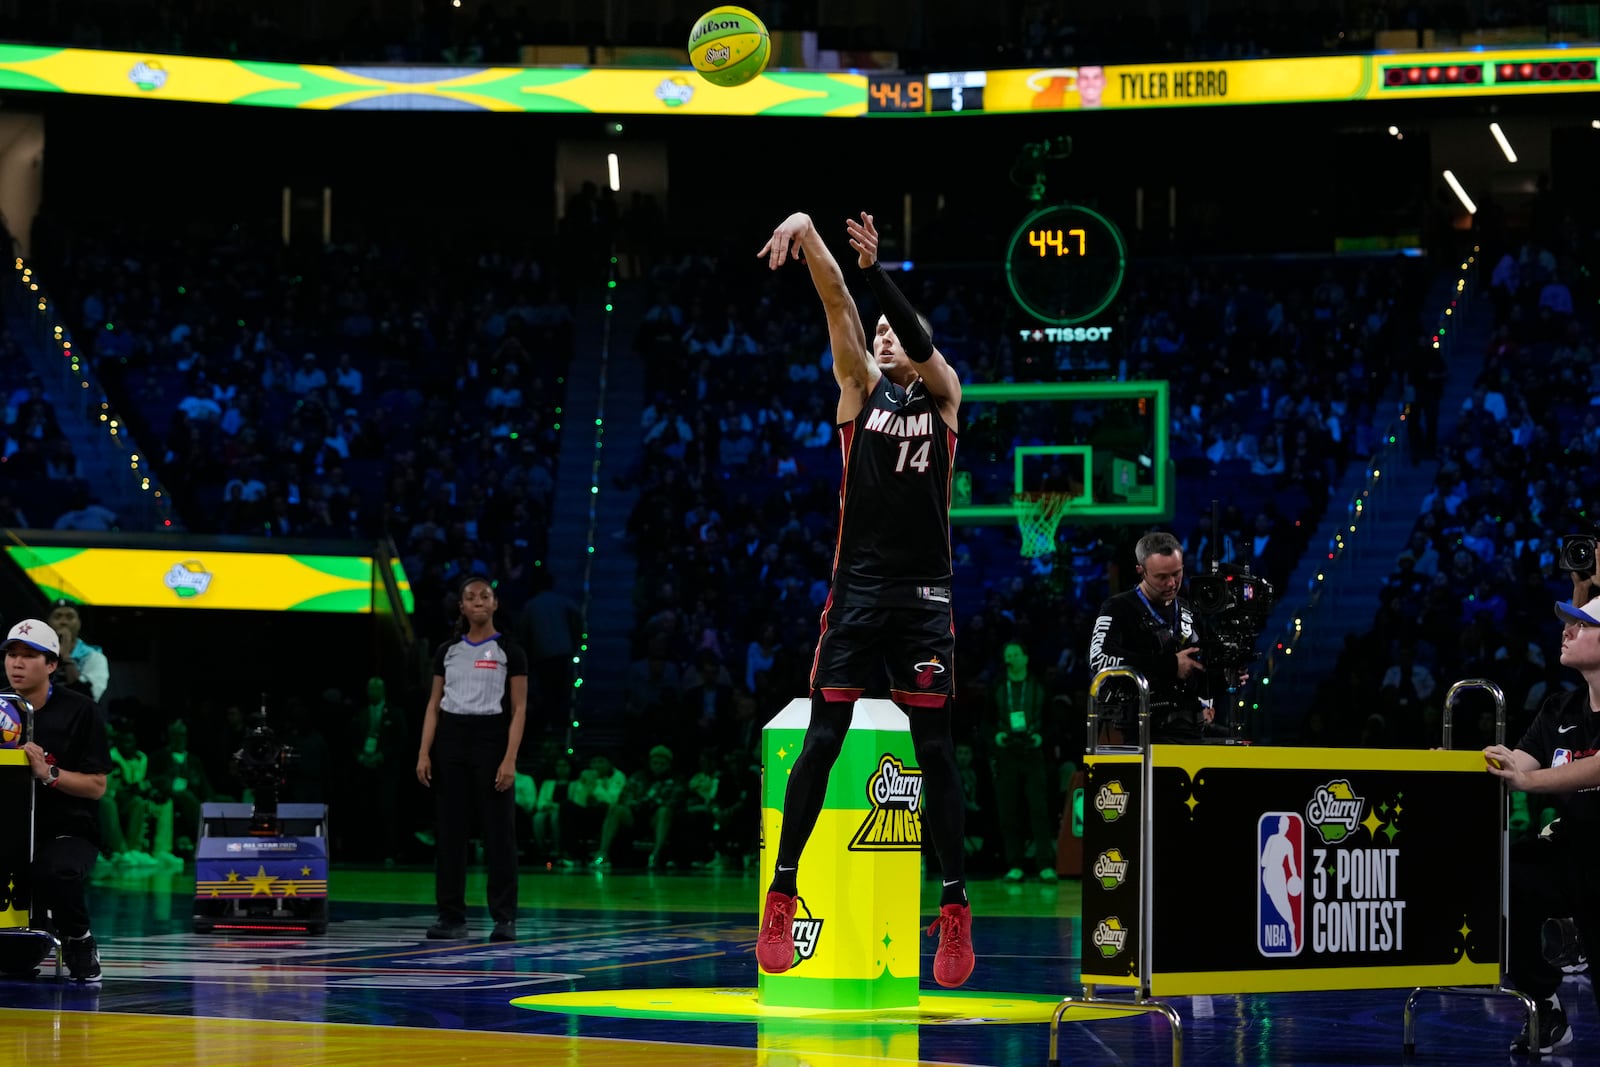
(853, 367)
(940, 378)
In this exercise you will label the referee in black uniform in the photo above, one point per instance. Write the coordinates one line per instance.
(470, 735)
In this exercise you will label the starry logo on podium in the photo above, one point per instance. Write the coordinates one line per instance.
(893, 823)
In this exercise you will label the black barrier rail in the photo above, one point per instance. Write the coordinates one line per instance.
(17, 793)
(1501, 989)
(1142, 1000)
(1369, 869)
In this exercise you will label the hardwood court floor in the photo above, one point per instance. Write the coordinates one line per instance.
(660, 965)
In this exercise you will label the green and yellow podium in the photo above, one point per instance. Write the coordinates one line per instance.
(856, 934)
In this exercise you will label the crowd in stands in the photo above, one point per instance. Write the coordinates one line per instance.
(353, 393)
(42, 480)
(475, 32)
(1470, 595)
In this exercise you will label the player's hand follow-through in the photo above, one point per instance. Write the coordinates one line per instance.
(784, 244)
(864, 239)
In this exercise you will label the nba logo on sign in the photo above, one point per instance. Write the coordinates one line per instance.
(1280, 891)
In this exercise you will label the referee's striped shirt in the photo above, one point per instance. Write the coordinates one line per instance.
(477, 676)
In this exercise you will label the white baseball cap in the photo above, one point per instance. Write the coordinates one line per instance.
(1588, 614)
(35, 634)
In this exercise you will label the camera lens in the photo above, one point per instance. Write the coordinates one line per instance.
(1578, 553)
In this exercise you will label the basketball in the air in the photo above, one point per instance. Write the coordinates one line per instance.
(729, 46)
(10, 724)
(1295, 885)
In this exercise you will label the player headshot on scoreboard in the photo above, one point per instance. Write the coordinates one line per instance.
(1091, 86)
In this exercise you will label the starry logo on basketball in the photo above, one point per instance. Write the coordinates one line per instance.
(1110, 868)
(1111, 801)
(717, 55)
(894, 823)
(927, 670)
(806, 932)
(1335, 811)
(1110, 936)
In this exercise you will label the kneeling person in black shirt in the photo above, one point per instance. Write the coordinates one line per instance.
(69, 756)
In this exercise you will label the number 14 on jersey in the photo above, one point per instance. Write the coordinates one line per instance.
(918, 459)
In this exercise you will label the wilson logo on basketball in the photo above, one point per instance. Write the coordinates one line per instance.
(893, 824)
(926, 670)
(487, 664)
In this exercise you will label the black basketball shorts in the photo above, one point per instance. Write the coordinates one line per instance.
(917, 645)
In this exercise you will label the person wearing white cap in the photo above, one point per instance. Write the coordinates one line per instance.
(69, 756)
(1555, 874)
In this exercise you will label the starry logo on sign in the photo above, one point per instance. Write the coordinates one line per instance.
(148, 74)
(675, 91)
(188, 579)
(926, 670)
(1110, 868)
(894, 823)
(1335, 811)
(1111, 801)
(1110, 936)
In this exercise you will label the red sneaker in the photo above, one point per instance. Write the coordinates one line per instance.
(952, 964)
(775, 942)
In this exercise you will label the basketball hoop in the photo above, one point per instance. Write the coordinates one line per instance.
(1038, 515)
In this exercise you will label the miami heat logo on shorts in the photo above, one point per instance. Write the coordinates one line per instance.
(927, 670)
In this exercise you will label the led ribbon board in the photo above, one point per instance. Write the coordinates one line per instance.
(665, 90)
(193, 577)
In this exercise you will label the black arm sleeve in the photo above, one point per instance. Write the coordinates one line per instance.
(901, 315)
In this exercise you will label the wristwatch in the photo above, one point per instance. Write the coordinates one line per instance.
(53, 777)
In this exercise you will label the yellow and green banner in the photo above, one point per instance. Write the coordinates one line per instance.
(196, 577)
(312, 87)
(665, 89)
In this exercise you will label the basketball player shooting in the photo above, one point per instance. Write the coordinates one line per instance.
(890, 598)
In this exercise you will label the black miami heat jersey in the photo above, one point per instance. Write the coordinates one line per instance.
(894, 501)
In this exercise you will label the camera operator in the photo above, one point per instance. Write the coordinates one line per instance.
(1151, 629)
(69, 756)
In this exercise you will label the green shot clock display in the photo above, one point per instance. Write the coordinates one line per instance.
(1065, 264)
